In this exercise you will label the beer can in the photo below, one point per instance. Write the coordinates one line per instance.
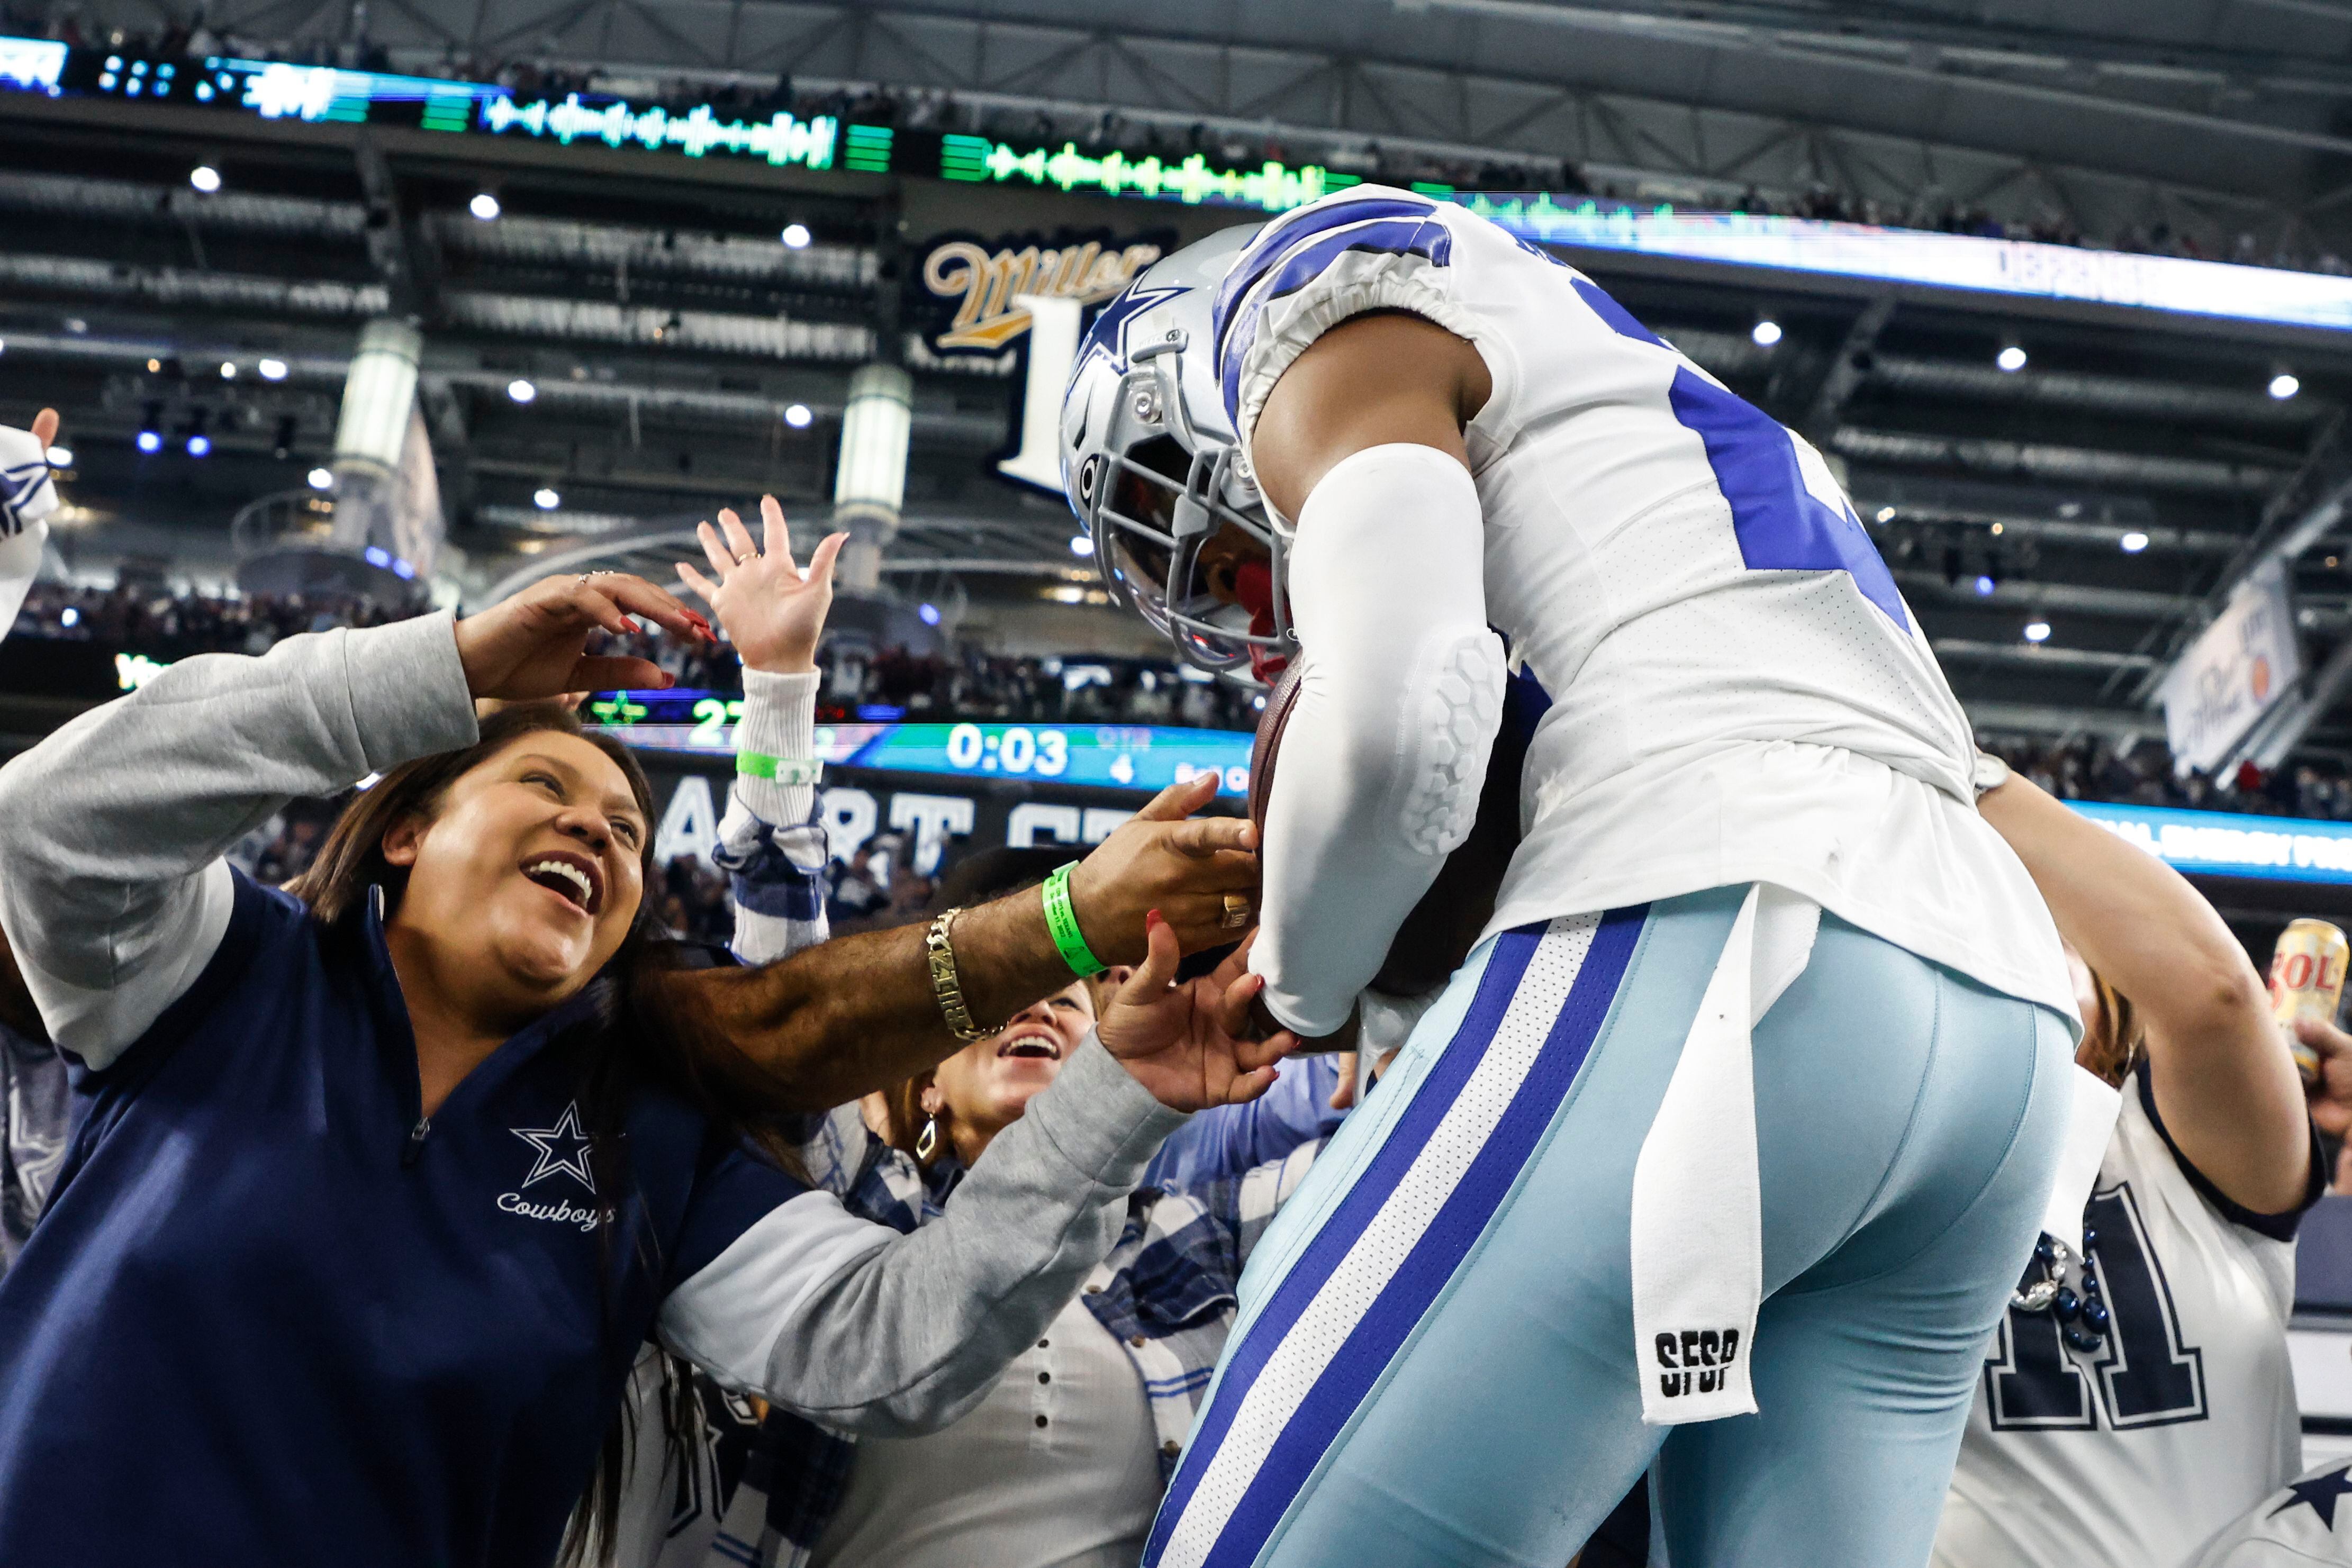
(2307, 981)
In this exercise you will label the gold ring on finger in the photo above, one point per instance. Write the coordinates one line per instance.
(1237, 912)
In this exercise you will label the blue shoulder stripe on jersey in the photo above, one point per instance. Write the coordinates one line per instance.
(1303, 265)
(1616, 314)
(1280, 237)
(1780, 524)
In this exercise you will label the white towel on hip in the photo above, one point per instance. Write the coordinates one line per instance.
(1698, 1240)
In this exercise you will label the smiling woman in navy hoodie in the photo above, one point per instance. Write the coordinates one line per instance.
(378, 1193)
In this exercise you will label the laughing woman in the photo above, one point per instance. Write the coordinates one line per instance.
(379, 1188)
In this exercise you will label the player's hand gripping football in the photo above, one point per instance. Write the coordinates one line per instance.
(774, 611)
(1186, 1043)
(1160, 860)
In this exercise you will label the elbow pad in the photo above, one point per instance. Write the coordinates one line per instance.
(1386, 747)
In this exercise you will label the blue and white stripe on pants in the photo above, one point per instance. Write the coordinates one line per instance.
(1396, 1238)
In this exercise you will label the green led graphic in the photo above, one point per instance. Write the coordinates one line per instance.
(1273, 187)
(866, 149)
(964, 157)
(449, 111)
(1507, 209)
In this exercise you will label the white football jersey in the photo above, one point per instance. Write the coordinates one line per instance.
(1738, 693)
(2135, 1454)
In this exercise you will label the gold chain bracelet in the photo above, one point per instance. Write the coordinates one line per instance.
(945, 986)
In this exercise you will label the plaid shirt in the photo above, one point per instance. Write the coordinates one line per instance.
(1166, 1293)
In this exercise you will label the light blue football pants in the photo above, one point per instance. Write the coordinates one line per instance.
(1434, 1363)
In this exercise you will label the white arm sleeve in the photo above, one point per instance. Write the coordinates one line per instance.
(1386, 749)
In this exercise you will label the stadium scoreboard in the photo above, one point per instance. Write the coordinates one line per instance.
(1145, 757)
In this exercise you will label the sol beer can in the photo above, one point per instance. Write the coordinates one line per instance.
(2307, 981)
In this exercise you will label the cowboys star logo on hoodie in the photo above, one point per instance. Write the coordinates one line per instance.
(562, 1150)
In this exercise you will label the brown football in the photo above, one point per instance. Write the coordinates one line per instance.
(1439, 933)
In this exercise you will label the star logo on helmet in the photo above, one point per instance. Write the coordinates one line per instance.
(1106, 339)
(19, 487)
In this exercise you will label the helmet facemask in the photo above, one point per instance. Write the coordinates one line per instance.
(1157, 494)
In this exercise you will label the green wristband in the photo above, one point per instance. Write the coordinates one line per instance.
(782, 769)
(1062, 922)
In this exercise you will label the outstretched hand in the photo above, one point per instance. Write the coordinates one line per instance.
(774, 611)
(534, 643)
(1165, 860)
(1186, 1043)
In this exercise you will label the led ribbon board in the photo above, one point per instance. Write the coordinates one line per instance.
(1269, 187)
(2168, 283)
(1098, 756)
(270, 89)
(2230, 843)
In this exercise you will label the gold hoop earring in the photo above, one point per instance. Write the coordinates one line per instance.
(927, 1142)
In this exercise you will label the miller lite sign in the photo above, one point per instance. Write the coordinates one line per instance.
(1031, 293)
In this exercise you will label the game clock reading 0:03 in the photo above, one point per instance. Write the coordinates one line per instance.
(1008, 749)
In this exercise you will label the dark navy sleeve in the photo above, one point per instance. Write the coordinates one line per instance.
(737, 1188)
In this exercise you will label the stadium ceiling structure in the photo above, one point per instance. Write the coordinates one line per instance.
(2211, 117)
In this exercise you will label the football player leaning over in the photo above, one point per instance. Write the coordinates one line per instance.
(2137, 1397)
(383, 1181)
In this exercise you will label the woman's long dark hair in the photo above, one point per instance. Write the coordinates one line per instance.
(648, 1037)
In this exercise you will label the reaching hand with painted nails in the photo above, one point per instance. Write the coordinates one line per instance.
(774, 611)
(534, 643)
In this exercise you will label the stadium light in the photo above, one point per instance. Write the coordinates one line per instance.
(1081, 544)
(1766, 332)
(520, 390)
(2037, 631)
(150, 441)
(797, 415)
(545, 498)
(322, 479)
(1984, 585)
(2133, 542)
(484, 206)
(1886, 514)
(71, 617)
(228, 369)
(272, 370)
(929, 614)
(2284, 386)
(61, 456)
(2010, 359)
(796, 235)
(205, 178)
(199, 445)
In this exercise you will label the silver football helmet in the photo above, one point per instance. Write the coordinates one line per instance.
(1150, 467)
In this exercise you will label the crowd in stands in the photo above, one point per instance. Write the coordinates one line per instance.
(2091, 768)
(966, 684)
(1138, 137)
(165, 625)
